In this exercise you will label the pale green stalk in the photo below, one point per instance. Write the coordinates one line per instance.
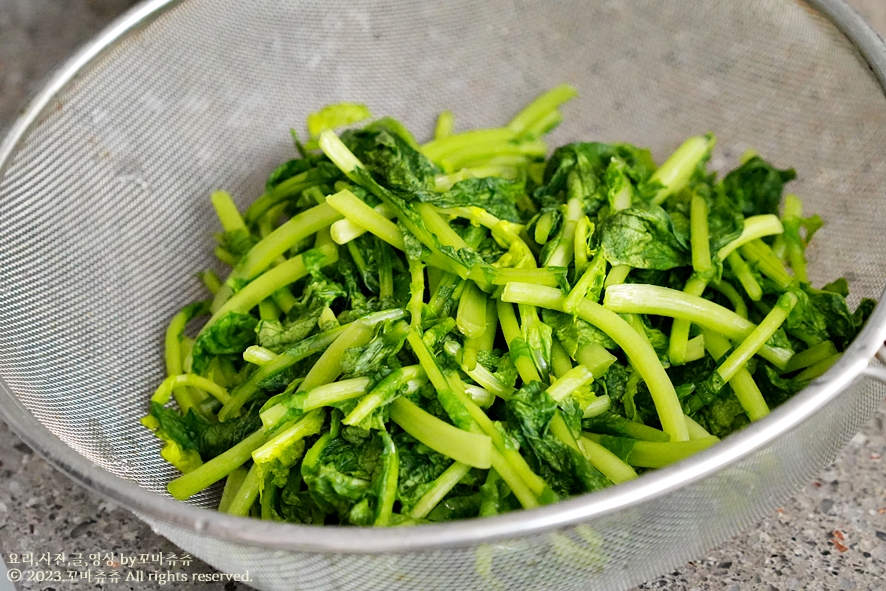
(356, 211)
(745, 277)
(343, 231)
(571, 381)
(810, 356)
(440, 488)
(663, 301)
(245, 497)
(699, 235)
(743, 384)
(617, 275)
(612, 467)
(473, 449)
(638, 350)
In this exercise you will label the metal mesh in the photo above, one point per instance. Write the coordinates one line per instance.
(104, 216)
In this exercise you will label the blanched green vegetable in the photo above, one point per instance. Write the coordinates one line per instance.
(417, 333)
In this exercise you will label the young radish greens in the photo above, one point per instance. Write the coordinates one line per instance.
(413, 333)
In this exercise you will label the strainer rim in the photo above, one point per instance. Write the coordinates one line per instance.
(152, 506)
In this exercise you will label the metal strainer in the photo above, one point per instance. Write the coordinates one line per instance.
(104, 217)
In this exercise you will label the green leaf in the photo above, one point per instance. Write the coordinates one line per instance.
(237, 242)
(529, 413)
(645, 238)
(574, 333)
(229, 335)
(756, 186)
(496, 195)
(392, 161)
(287, 170)
(378, 353)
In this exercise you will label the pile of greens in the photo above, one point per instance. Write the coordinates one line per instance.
(415, 333)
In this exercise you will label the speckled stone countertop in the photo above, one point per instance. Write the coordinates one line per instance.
(831, 535)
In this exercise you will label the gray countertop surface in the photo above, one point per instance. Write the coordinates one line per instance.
(831, 535)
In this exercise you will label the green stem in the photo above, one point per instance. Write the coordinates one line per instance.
(301, 350)
(473, 449)
(699, 236)
(356, 211)
(385, 391)
(597, 407)
(440, 148)
(187, 485)
(743, 384)
(439, 489)
(232, 485)
(439, 227)
(596, 358)
(546, 276)
(514, 338)
(286, 190)
(632, 429)
(638, 350)
(329, 365)
(540, 109)
(560, 361)
(268, 249)
(210, 280)
(390, 474)
(471, 315)
(173, 350)
(344, 231)
(571, 381)
(768, 262)
(764, 331)
(663, 301)
(227, 212)
(676, 171)
(583, 231)
(617, 275)
(738, 305)
(246, 495)
(564, 252)
(486, 341)
(696, 431)
(755, 227)
(258, 355)
(680, 328)
(445, 122)
(478, 373)
(267, 283)
(482, 422)
(744, 275)
(333, 393)
(653, 454)
(695, 349)
(810, 356)
(385, 272)
(305, 426)
(416, 291)
(525, 495)
(589, 285)
(793, 210)
(169, 385)
(817, 369)
(612, 467)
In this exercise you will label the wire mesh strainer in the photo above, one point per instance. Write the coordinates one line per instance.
(104, 216)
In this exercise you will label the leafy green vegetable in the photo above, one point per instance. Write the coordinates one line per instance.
(365, 363)
(529, 414)
(756, 186)
(645, 238)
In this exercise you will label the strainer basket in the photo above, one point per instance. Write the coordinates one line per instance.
(104, 217)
